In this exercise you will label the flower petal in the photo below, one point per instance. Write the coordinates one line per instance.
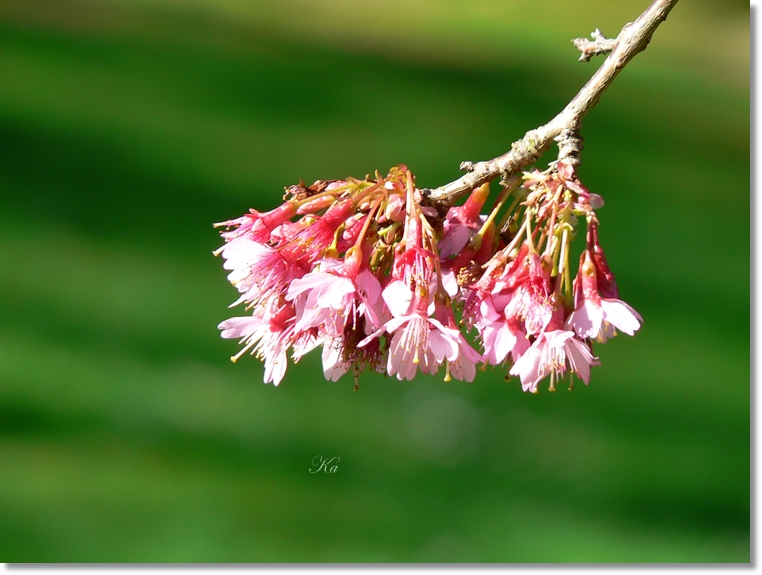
(442, 346)
(624, 318)
(236, 327)
(528, 367)
(505, 340)
(333, 367)
(454, 239)
(307, 282)
(368, 283)
(331, 294)
(398, 298)
(580, 358)
(586, 319)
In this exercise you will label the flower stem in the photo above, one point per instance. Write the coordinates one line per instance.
(501, 199)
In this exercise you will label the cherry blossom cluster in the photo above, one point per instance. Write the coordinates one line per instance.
(380, 279)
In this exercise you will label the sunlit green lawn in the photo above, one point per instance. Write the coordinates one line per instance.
(128, 127)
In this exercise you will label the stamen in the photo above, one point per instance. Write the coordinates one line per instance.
(552, 224)
(240, 353)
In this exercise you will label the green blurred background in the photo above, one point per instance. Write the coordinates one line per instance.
(128, 126)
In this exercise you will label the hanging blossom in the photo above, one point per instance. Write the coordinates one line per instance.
(415, 292)
(379, 279)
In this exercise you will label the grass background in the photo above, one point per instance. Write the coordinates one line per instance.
(128, 126)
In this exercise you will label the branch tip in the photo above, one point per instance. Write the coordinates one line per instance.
(565, 127)
(599, 45)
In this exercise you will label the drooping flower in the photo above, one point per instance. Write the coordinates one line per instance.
(597, 317)
(523, 292)
(463, 366)
(415, 340)
(331, 297)
(500, 334)
(342, 305)
(462, 222)
(374, 273)
(418, 342)
(270, 335)
(258, 271)
(604, 276)
(257, 226)
(553, 352)
(310, 243)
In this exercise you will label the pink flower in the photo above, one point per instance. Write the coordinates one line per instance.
(605, 278)
(270, 337)
(413, 280)
(415, 340)
(309, 244)
(463, 366)
(258, 271)
(394, 209)
(462, 222)
(456, 234)
(419, 342)
(597, 320)
(415, 269)
(257, 226)
(340, 302)
(530, 306)
(500, 335)
(333, 298)
(261, 272)
(409, 330)
(524, 286)
(553, 352)
(375, 274)
(596, 317)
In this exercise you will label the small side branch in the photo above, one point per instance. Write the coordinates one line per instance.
(633, 38)
(599, 45)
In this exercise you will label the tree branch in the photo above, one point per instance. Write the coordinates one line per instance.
(633, 38)
(599, 45)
